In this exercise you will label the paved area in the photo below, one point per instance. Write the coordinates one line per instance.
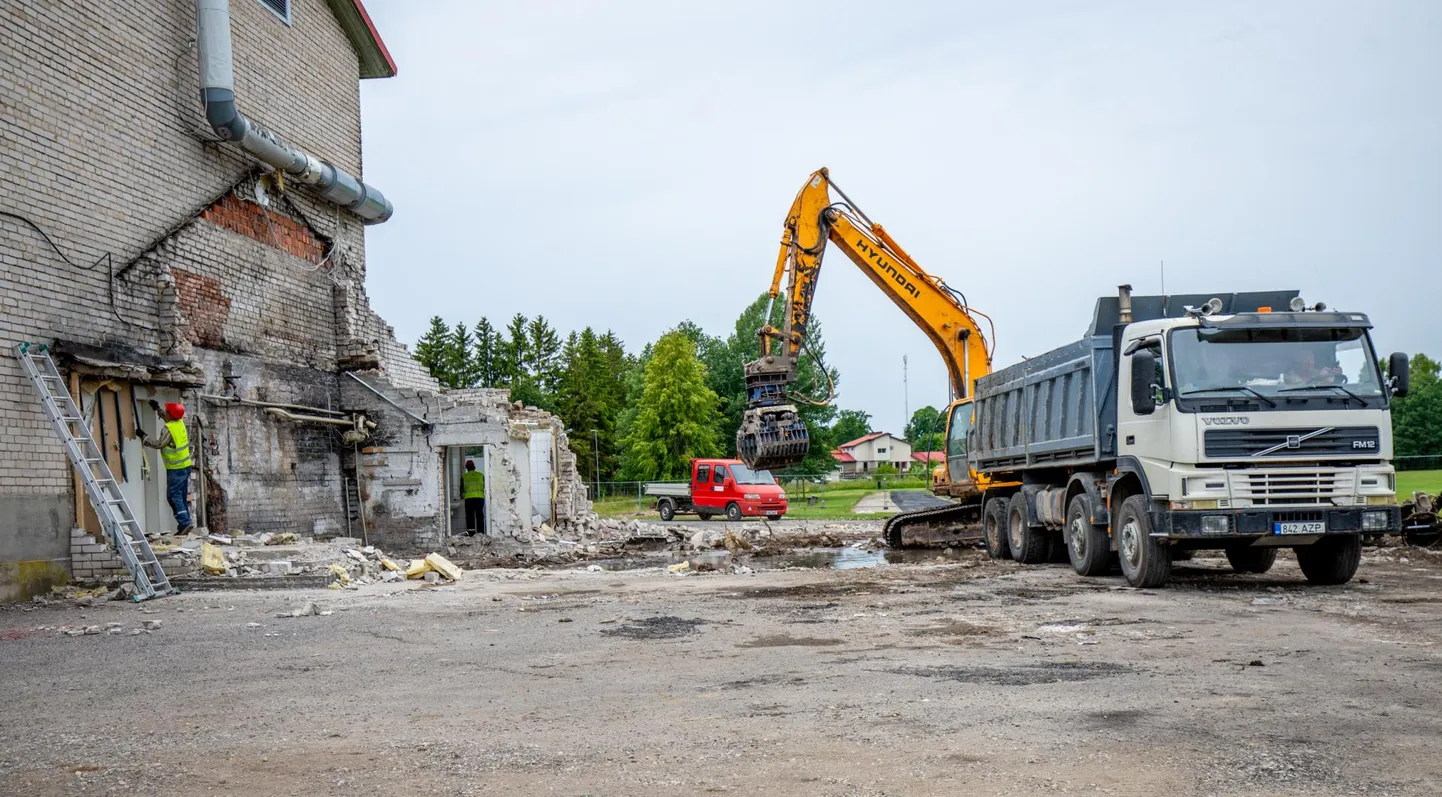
(968, 677)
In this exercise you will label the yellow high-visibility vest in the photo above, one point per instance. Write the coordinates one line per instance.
(177, 454)
(473, 484)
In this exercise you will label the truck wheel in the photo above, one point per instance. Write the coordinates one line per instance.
(1028, 545)
(1331, 560)
(704, 515)
(667, 509)
(1087, 546)
(1252, 560)
(993, 526)
(733, 511)
(1145, 561)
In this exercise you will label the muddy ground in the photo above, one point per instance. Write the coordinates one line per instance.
(961, 677)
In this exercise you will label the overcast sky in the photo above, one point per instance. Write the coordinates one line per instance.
(628, 165)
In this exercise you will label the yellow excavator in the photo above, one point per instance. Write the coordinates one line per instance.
(772, 433)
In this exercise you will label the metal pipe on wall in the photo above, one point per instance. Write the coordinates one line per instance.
(217, 92)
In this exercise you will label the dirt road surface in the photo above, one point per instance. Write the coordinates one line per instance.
(968, 677)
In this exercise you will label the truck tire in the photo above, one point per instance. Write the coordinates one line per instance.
(1028, 545)
(704, 515)
(667, 508)
(993, 527)
(1246, 559)
(1145, 561)
(1332, 559)
(1087, 546)
(733, 511)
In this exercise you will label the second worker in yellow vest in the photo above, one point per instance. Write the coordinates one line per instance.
(473, 492)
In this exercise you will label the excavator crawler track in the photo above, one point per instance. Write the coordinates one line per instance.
(939, 524)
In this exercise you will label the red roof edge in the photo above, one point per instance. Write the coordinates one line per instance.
(842, 456)
(858, 441)
(375, 34)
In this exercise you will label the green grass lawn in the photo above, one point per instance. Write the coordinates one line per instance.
(1409, 481)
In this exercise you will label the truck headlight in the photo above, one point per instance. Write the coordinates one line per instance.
(1375, 521)
(752, 496)
(782, 496)
(1215, 524)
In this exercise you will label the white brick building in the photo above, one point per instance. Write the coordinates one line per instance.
(169, 279)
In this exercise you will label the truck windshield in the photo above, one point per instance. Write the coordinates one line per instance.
(1269, 362)
(745, 475)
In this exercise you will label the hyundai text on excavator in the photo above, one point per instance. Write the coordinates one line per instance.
(772, 434)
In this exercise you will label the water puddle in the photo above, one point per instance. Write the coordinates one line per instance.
(807, 558)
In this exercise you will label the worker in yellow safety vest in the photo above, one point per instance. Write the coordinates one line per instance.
(174, 444)
(473, 491)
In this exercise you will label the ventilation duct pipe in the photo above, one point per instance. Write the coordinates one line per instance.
(217, 92)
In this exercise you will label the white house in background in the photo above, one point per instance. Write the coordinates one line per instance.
(865, 454)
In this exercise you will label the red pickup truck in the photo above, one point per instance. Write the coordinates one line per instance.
(721, 487)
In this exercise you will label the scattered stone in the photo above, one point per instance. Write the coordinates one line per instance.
(306, 610)
(252, 625)
(219, 539)
(151, 625)
(1255, 663)
(432, 577)
(136, 632)
(91, 630)
(564, 620)
(278, 568)
(356, 555)
(116, 631)
(112, 625)
(595, 568)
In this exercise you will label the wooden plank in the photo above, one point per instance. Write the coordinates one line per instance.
(85, 516)
(108, 435)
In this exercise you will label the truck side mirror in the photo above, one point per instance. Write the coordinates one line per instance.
(1144, 366)
(1399, 373)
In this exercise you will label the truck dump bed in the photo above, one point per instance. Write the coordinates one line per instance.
(1058, 409)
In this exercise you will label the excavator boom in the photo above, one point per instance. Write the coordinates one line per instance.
(772, 433)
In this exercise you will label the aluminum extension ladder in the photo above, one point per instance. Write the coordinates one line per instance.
(111, 507)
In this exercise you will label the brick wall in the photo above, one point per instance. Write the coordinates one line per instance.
(106, 149)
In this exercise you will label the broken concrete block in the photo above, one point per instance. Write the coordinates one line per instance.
(278, 568)
(432, 577)
(390, 564)
(417, 568)
(212, 560)
(151, 625)
(354, 554)
(390, 575)
(91, 630)
(444, 566)
(306, 610)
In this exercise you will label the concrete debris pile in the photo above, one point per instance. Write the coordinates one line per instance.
(109, 629)
(368, 566)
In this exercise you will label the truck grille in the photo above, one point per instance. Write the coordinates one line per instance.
(1284, 487)
(1314, 441)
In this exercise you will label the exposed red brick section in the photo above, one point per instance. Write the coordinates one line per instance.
(204, 306)
(283, 232)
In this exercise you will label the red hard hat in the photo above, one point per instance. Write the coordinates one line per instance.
(175, 411)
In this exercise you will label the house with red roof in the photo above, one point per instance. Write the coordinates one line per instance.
(865, 454)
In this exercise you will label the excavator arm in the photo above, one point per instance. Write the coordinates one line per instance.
(772, 434)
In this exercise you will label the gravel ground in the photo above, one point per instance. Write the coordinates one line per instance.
(969, 677)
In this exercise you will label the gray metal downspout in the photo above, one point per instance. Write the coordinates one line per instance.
(217, 92)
